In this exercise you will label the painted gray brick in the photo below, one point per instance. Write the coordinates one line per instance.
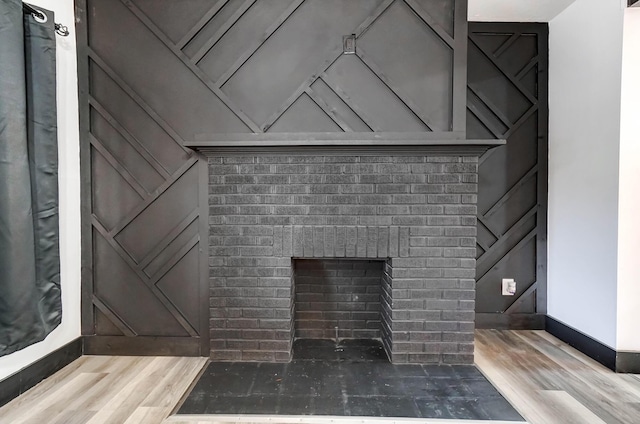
(383, 242)
(318, 242)
(469, 198)
(460, 210)
(328, 241)
(308, 220)
(236, 159)
(307, 241)
(460, 252)
(325, 169)
(273, 220)
(409, 178)
(222, 169)
(305, 179)
(392, 188)
(305, 159)
(341, 159)
(341, 220)
(373, 199)
(251, 188)
(403, 242)
(267, 209)
(351, 241)
(425, 251)
(428, 168)
(375, 179)
(417, 242)
(427, 188)
(409, 220)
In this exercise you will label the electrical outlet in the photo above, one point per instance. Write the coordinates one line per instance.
(508, 287)
(349, 44)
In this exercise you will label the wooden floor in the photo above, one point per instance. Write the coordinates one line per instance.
(546, 381)
(550, 382)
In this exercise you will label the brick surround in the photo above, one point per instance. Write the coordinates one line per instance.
(417, 213)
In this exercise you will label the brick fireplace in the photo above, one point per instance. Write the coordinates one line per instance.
(412, 213)
(351, 153)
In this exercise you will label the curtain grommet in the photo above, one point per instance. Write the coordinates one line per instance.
(42, 18)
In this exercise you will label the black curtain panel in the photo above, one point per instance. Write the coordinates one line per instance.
(30, 304)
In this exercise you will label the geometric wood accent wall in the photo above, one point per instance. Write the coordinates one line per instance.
(160, 72)
(278, 66)
(507, 99)
(156, 73)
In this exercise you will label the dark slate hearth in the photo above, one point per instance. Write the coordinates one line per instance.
(353, 378)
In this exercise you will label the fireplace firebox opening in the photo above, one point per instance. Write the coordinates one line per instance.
(341, 300)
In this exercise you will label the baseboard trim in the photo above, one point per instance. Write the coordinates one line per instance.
(142, 346)
(628, 362)
(510, 321)
(585, 344)
(18, 383)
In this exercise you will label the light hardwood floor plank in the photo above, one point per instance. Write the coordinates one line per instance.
(549, 382)
(106, 389)
(546, 380)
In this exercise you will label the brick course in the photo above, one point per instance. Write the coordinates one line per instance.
(417, 213)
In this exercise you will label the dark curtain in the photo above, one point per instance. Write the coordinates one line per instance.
(30, 305)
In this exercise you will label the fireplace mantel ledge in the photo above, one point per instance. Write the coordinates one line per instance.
(342, 143)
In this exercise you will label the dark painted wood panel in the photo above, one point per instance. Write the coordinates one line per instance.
(112, 196)
(134, 120)
(145, 212)
(130, 298)
(335, 107)
(245, 37)
(507, 98)
(141, 346)
(304, 114)
(175, 17)
(418, 67)
(167, 211)
(231, 10)
(126, 151)
(526, 321)
(157, 73)
(309, 41)
(373, 100)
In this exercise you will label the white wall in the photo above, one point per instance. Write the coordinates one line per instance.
(629, 190)
(516, 10)
(69, 182)
(585, 50)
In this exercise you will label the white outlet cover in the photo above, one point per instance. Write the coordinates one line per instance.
(508, 287)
